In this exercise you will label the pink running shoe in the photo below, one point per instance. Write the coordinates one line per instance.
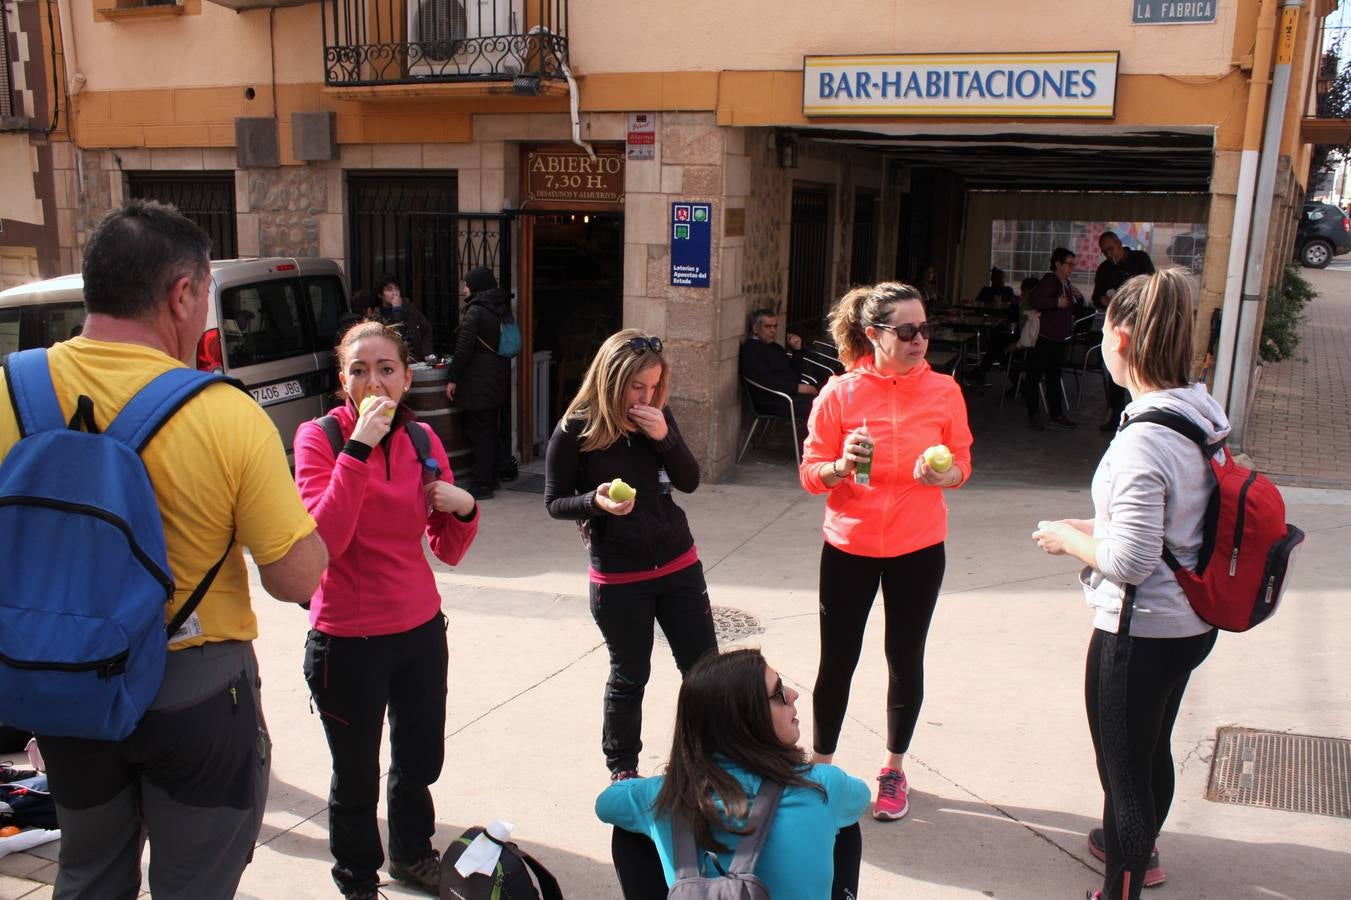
(893, 795)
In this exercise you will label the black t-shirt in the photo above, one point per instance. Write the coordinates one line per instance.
(1111, 276)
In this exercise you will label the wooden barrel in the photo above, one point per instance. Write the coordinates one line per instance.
(427, 398)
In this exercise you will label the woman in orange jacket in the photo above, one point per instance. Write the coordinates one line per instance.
(887, 409)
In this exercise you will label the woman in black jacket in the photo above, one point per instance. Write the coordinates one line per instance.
(644, 565)
(479, 377)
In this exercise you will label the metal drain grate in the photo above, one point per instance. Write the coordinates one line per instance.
(729, 625)
(1295, 772)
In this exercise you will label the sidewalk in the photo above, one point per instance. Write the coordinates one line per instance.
(1300, 427)
(1004, 783)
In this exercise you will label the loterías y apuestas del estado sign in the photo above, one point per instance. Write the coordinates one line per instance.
(1054, 85)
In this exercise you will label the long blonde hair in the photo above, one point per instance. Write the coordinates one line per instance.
(1158, 313)
(861, 307)
(600, 400)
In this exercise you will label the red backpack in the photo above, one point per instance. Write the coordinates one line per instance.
(1247, 547)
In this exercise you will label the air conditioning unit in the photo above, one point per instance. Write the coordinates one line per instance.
(456, 37)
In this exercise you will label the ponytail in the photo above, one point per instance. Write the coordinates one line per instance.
(1158, 313)
(860, 308)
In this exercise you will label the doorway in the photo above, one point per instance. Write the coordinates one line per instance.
(577, 300)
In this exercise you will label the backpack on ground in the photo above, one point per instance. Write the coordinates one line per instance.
(738, 882)
(1247, 546)
(510, 879)
(83, 649)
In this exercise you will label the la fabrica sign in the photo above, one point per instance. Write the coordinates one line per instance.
(1052, 85)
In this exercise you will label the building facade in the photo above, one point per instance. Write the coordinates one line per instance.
(662, 168)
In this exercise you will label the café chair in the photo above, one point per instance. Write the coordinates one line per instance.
(769, 396)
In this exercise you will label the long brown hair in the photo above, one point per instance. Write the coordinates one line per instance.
(600, 400)
(723, 708)
(860, 308)
(1158, 313)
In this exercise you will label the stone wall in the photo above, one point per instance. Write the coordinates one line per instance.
(768, 210)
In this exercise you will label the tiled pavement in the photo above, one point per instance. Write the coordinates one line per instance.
(1300, 429)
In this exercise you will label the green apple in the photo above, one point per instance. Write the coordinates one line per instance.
(369, 401)
(939, 458)
(621, 491)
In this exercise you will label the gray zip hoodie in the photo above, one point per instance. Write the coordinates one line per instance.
(1151, 487)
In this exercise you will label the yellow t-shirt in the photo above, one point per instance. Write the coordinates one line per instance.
(217, 467)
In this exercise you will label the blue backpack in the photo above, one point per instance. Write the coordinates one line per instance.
(84, 643)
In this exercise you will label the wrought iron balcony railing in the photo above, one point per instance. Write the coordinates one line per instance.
(375, 42)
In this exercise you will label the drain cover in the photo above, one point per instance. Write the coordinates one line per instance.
(1295, 772)
(729, 625)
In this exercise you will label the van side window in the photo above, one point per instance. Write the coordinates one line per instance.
(9, 331)
(61, 322)
(261, 323)
(327, 304)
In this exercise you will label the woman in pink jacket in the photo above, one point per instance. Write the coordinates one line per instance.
(378, 639)
(890, 530)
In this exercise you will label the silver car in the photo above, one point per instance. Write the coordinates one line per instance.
(272, 324)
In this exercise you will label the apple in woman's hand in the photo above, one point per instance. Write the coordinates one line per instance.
(939, 458)
(621, 491)
(369, 401)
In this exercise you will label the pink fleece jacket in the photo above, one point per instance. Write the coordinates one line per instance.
(372, 516)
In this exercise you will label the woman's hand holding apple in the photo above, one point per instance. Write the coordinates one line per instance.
(613, 507)
(926, 474)
(374, 422)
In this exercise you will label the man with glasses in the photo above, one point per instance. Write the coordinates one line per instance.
(1118, 266)
(766, 362)
(1055, 298)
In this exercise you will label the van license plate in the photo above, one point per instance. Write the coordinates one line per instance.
(277, 393)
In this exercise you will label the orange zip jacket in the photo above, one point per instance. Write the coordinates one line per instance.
(906, 415)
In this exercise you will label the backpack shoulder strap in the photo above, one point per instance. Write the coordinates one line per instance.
(153, 405)
(31, 392)
(686, 853)
(422, 445)
(333, 432)
(1177, 422)
(548, 884)
(762, 813)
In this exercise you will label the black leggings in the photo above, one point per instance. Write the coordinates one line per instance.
(641, 876)
(625, 614)
(1133, 687)
(1043, 364)
(910, 585)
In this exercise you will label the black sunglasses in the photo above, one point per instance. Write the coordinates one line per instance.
(779, 692)
(907, 331)
(639, 344)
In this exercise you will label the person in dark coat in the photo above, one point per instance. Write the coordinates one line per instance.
(766, 362)
(479, 378)
(1118, 266)
(1055, 298)
(399, 313)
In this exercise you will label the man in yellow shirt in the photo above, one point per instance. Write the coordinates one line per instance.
(193, 775)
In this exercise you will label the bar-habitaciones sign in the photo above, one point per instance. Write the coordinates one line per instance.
(1063, 85)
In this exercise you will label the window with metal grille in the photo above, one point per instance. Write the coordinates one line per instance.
(207, 198)
(808, 260)
(6, 89)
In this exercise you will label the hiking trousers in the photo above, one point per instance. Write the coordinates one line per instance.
(354, 681)
(192, 779)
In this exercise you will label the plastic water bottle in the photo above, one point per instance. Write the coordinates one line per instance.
(663, 481)
(863, 472)
(431, 472)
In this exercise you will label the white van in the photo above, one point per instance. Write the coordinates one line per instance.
(272, 324)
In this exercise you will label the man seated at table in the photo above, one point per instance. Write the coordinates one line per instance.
(996, 293)
(767, 363)
(1003, 337)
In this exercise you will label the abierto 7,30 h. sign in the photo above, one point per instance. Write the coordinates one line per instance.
(1053, 85)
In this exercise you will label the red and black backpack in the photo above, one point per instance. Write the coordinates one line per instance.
(1247, 546)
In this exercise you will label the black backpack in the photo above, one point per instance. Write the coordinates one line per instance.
(510, 879)
(738, 882)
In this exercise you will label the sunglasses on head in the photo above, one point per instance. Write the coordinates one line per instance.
(639, 344)
(779, 692)
(907, 331)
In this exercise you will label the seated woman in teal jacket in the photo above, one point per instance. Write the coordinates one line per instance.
(736, 726)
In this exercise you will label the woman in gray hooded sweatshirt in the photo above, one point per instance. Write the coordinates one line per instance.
(1150, 490)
